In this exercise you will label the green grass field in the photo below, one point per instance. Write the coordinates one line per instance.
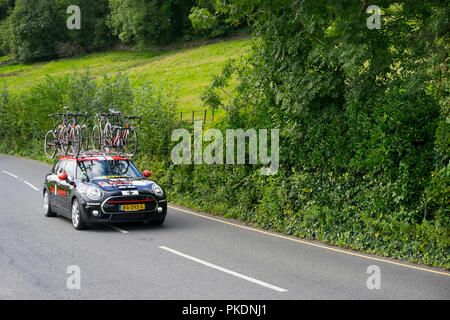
(188, 70)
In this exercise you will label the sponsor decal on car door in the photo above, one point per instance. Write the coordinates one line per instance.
(54, 183)
(65, 187)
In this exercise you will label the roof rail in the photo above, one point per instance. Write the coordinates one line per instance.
(101, 153)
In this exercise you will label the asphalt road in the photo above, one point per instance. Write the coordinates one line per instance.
(192, 256)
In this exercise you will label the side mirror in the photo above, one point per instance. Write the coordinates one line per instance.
(146, 174)
(71, 181)
(63, 176)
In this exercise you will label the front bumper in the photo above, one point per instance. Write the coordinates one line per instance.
(106, 217)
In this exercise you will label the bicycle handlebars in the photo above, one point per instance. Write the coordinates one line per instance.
(135, 118)
(77, 115)
(112, 114)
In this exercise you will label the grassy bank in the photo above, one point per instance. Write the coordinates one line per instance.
(188, 70)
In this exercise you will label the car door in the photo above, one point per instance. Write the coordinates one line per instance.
(57, 193)
(52, 182)
(65, 188)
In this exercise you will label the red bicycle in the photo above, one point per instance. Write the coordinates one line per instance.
(120, 138)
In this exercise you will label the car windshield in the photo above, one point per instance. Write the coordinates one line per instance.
(103, 169)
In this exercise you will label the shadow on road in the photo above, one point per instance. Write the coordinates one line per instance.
(127, 226)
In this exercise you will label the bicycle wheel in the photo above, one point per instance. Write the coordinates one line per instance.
(84, 138)
(50, 144)
(96, 139)
(131, 143)
(63, 136)
(77, 140)
(108, 138)
(74, 141)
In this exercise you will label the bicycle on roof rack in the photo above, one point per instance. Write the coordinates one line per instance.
(117, 136)
(67, 135)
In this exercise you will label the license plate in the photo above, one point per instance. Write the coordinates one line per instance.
(133, 207)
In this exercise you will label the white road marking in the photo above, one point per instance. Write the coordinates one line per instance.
(29, 184)
(117, 229)
(236, 274)
(12, 175)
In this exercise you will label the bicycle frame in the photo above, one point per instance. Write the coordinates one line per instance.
(112, 130)
(64, 124)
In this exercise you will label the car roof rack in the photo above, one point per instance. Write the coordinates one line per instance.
(102, 153)
(98, 153)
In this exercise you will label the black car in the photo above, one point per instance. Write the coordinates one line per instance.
(102, 189)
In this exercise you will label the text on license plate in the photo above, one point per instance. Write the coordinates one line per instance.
(132, 207)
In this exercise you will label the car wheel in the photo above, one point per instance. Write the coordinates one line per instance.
(46, 208)
(77, 217)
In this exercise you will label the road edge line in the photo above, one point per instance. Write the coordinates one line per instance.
(312, 244)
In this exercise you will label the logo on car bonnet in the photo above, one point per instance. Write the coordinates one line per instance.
(114, 183)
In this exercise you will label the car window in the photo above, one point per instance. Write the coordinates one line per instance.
(78, 174)
(106, 169)
(60, 167)
(70, 169)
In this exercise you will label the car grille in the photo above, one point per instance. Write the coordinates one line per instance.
(113, 204)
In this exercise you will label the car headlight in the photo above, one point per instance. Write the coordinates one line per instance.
(157, 190)
(94, 193)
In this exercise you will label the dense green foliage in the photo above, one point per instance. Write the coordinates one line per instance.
(364, 123)
(37, 30)
(145, 23)
(6, 6)
(150, 22)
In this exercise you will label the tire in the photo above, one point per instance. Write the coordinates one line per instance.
(61, 150)
(65, 147)
(46, 207)
(131, 144)
(96, 139)
(78, 216)
(84, 138)
(75, 144)
(108, 138)
(50, 145)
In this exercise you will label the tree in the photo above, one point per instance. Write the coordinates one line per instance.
(5, 7)
(94, 33)
(38, 29)
(151, 22)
